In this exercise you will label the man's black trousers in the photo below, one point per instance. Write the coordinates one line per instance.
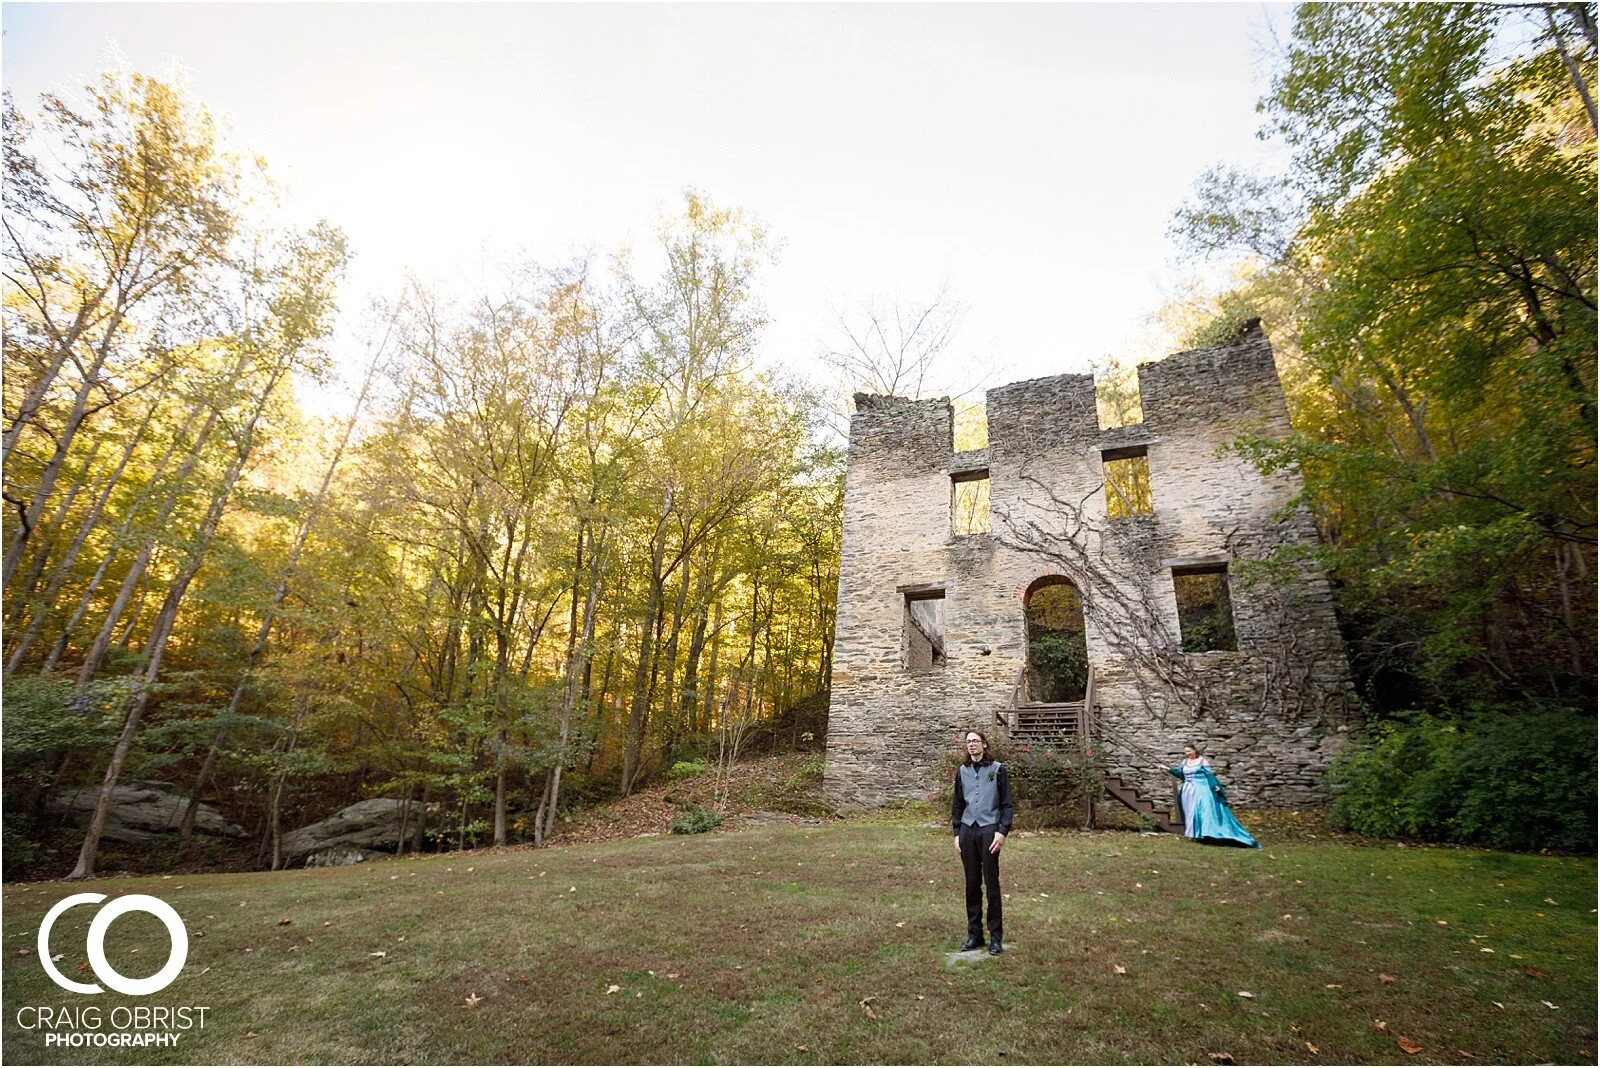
(983, 876)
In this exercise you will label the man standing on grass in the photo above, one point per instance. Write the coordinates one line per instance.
(980, 815)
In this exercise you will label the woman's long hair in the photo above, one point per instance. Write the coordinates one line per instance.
(982, 738)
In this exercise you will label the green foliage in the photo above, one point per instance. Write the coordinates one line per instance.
(1058, 664)
(685, 769)
(1058, 652)
(40, 720)
(1205, 612)
(1051, 780)
(696, 821)
(1509, 778)
(1427, 268)
(21, 845)
(1056, 773)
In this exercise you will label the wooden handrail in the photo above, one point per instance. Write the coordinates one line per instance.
(1088, 706)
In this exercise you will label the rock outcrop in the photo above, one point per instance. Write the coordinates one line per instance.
(142, 809)
(373, 824)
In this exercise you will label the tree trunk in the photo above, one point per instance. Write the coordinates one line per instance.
(156, 647)
(639, 711)
(186, 830)
(90, 521)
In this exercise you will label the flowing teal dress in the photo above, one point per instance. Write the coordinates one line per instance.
(1205, 808)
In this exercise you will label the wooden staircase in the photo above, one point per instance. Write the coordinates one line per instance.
(1028, 721)
(1044, 722)
(1132, 798)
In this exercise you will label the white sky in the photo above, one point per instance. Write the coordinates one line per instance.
(1029, 155)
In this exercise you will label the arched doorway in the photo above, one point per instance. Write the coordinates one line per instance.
(1058, 649)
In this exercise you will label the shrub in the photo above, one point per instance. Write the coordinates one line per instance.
(1052, 779)
(697, 821)
(687, 769)
(1509, 778)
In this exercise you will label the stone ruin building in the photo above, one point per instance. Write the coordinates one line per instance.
(1124, 584)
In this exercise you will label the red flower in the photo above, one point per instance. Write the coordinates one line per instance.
(1088, 752)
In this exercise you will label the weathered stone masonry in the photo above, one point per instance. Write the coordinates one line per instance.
(1270, 714)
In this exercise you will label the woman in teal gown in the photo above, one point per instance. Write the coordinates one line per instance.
(1206, 817)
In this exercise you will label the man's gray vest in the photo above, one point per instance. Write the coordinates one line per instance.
(980, 788)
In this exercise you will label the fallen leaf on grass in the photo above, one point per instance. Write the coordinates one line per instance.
(672, 975)
(613, 988)
(286, 921)
(1497, 1005)
(864, 1004)
(472, 1000)
(1294, 1029)
(1221, 1058)
(1312, 1049)
(1119, 969)
(379, 953)
(1379, 1025)
(251, 1034)
(1408, 1045)
(803, 1049)
(1547, 1005)
(1334, 986)
(1549, 901)
(902, 923)
(1246, 994)
(58, 956)
(1532, 973)
(1385, 977)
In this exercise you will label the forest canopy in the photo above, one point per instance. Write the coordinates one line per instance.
(568, 526)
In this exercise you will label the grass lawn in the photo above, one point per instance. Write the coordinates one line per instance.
(762, 944)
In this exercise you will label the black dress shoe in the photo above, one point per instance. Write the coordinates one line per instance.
(974, 942)
(994, 948)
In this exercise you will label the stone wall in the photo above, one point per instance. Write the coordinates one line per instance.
(1271, 714)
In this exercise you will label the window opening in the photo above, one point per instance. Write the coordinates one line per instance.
(1127, 475)
(969, 503)
(1116, 395)
(970, 426)
(1205, 610)
(924, 630)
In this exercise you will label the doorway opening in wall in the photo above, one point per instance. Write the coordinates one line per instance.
(923, 644)
(1205, 611)
(1058, 648)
